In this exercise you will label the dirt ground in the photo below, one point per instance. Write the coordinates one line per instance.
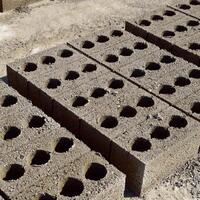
(31, 29)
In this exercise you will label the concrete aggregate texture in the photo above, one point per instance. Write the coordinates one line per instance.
(106, 116)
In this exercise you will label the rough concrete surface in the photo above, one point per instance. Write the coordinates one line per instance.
(80, 18)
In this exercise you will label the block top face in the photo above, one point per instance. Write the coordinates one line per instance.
(46, 61)
(101, 39)
(11, 101)
(91, 175)
(157, 18)
(69, 76)
(157, 134)
(191, 7)
(45, 156)
(124, 53)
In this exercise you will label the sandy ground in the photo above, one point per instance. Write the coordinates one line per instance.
(28, 30)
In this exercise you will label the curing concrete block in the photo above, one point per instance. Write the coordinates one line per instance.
(22, 70)
(89, 177)
(124, 53)
(104, 115)
(12, 4)
(152, 20)
(190, 7)
(153, 149)
(101, 40)
(37, 159)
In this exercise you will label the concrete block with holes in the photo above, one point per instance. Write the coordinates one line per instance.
(150, 21)
(37, 159)
(153, 149)
(189, 48)
(190, 7)
(89, 177)
(102, 39)
(48, 61)
(171, 36)
(121, 53)
(12, 4)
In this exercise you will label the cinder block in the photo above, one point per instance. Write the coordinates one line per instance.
(41, 157)
(89, 177)
(190, 7)
(101, 40)
(47, 61)
(150, 21)
(124, 53)
(155, 148)
(12, 4)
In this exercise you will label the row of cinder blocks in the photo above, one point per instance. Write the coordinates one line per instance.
(12, 4)
(171, 30)
(94, 98)
(41, 160)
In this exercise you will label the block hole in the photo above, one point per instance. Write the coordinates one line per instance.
(194, 46)
(111, 58)
(182, 81)
(64, 144)
(144, 22)
(116, 33)
(137, 73)
(36, 121)
(160, 133)
(65, 53)
(48, 60)
(87, 44)
(71, 75)
(192, 23)
(152, 66)
(40, 157)
(116, 84)
(128, 112)
(141, 145)
(11, 133)
(140, 46)
(8, 101)
(169, 13)
(195, 2)
(184, 7)
(46, 196)
(178, 122)
(14, 172)
(167, 59)
(30, 67)
(126, 52)
(79, 101)
(167, 89)
(109, 122)
(168, 34)
(145, 102)
(102, 39)
(196, 107)
(53, 83)
(89, 68)
(194, 73)
(180, 28)
(96, 172)
(157, 18)
(72, 187)
(98, 92)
